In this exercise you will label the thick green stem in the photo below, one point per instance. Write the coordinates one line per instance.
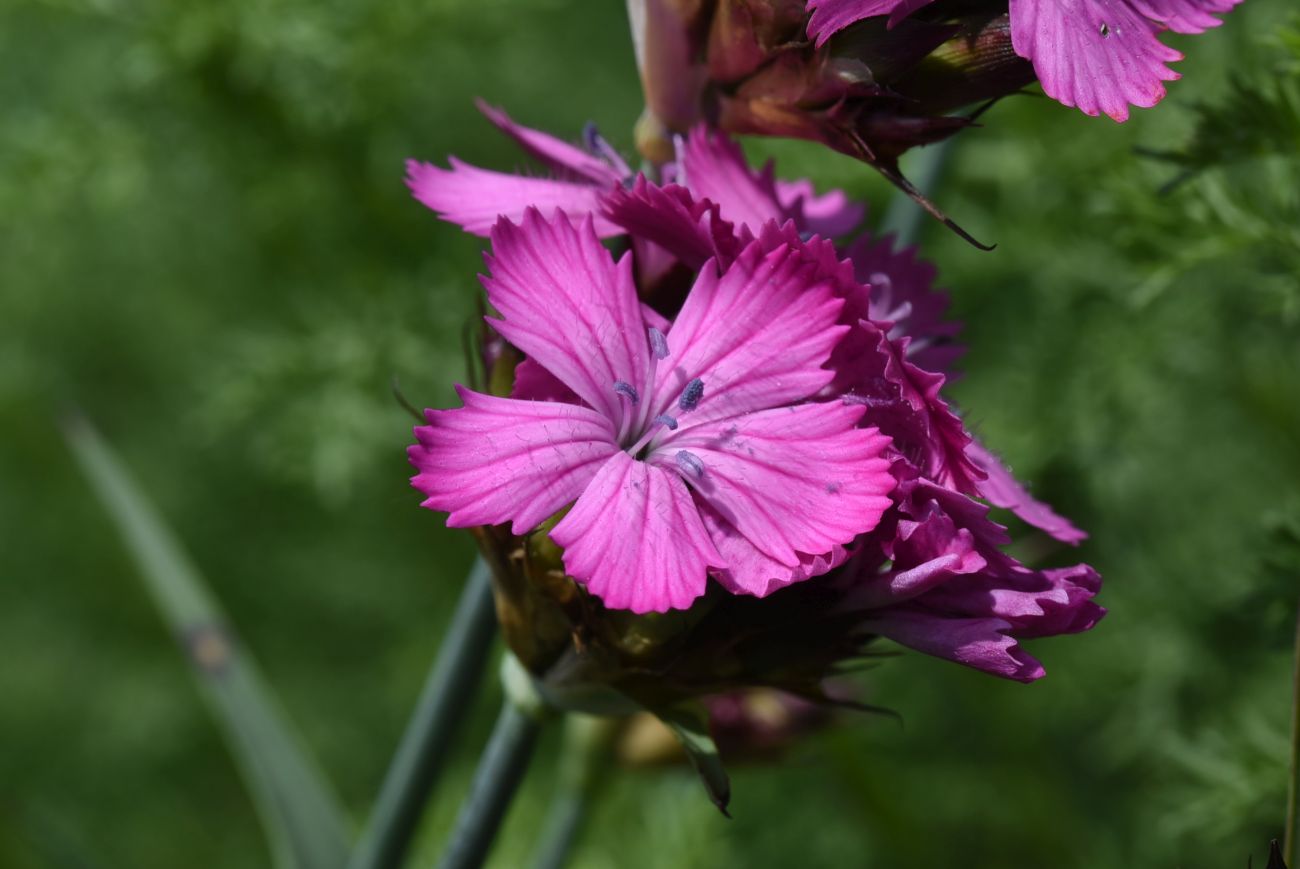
(1293, 791)
(586, 748)
(500, 770)
(425, 745)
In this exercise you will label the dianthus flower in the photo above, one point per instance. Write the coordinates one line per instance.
(779, 428)
(1097, 55)
(683, 448)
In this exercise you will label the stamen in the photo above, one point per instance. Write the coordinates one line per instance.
(596, 144)
(626, 390)
(665, 420)
(690, 463)
(658, 343)
(868, 401)
(691, 395)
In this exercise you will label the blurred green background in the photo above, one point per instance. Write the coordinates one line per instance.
(205, 242)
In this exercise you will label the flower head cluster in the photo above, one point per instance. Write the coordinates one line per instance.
(764, 445)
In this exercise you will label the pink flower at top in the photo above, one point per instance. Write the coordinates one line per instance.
(1102, 56)
(681, 449)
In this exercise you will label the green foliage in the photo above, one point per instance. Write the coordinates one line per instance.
(301, 816)
(207, 244)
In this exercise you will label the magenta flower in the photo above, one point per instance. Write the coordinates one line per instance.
(708, 164)
(1102, 56)
(684, 449)
(475, 198)
(932, 575)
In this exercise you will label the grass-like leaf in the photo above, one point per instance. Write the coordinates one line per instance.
(303, 820)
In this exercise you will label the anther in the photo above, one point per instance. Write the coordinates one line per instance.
(658, 343)
(691, 395)
(626, 390)
(666, 420)
(690, 463)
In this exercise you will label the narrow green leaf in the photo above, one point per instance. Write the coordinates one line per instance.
(690, 724)
(303, 820)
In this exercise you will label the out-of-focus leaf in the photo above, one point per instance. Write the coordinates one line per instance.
(690, 724)
(302, 817)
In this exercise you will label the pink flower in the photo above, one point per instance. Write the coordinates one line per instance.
(896, 324)
(708, 164)
(684, 449)
(475, 198)
(932, 575)
(1098, 55)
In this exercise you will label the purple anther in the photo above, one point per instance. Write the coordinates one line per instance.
(690, 463)
(867, 400)
(626, 390)
(658, 343)
(591, 137)
(691, 395)
(666, 420)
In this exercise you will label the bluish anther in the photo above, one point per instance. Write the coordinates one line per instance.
(658, 343)
(666, 420)
(691, 395)
(626, 390)
(591, 137)
(690, 463)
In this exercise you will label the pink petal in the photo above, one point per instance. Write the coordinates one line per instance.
(791, 480)
(925, 554)
(1002, 489)
(635, 538)
(499, 460)
(758, 336)
(475, 198)
(552, 151)
(975, 642)
(830, 215)
(831, 16)
(713, 167)
(671, 218)
(905, 402)
(1098, 55)
(1185, 16)
(749, 570)
(569, 307)
(535, 383)
(902, 293)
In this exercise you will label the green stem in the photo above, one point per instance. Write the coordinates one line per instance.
(426, 743)
(500, 770)
(1293, 791)
(586, 748)
(904, 217)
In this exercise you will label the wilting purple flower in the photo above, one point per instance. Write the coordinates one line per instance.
(1098, 55)
(683, 449)
(934, 577)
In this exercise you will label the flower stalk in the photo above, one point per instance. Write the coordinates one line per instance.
(500, 770)
(1293, 790)
(425, 745)
(587, 742)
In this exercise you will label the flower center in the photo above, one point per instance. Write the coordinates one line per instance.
(636, 432)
